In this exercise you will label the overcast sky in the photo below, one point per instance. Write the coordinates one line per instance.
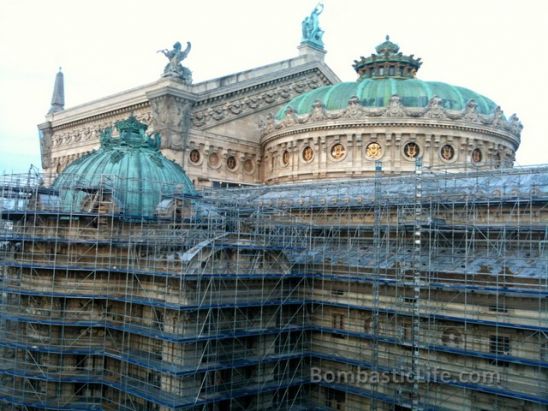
(496, 48)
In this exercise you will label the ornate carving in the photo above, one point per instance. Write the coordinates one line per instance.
(338, 151)
(231, 163)
(248, 166)
(435, 109)
(354, 108)
(411, 150)
(290, 117)
(373, 151)
(395, 108)
(269, 96)
(308, 154)
(235, 107)
(514, 125)
(194, 156)
(199, 118)
(471, 113)
(252, 102)
(285, 158)
(318, 112)
(477, 156)
(214, 160)
(171, 118)
(497, 119)
(447, 152)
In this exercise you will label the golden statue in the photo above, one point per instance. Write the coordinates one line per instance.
(373, 150)
(308, 153)
(337, 151)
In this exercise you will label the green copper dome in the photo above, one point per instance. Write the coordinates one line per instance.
(130, 167)
(377, 92)
(382, 75)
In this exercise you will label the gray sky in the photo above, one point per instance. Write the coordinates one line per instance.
(496, 48)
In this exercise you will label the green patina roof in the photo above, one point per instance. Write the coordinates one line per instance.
(131, 167)
(376, 92)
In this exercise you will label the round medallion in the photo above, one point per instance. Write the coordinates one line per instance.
(213, 159)
(231, 162)
(447, 152)
(411, 150)
(248, 166)
(308, 154)
(195, 156)
(373, 151)
(338, 151)
(285, 158)
(476, 156)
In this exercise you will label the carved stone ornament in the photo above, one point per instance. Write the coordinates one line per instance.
(285, 158)
(194, 156)
(248, 166)
(290, 117)
(213, 160)
(354, 108)
(476, 156)
(447, 152)
(471, 113)
(308, 154)
(318, 112)
(395, 108)
(373, 151)
(435, 109)
(338, 151)
(411, 150)
(231, 163)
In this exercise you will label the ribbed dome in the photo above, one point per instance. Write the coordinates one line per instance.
(376, 92)
(131, 167)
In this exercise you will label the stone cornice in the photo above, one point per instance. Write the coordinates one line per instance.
(265, 81)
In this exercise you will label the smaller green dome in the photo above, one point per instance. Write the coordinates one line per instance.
(130, 167)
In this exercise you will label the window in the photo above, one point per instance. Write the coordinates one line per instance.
(498, 308)
(335, 399)
(337, 292)
(499, 345)
(338, 321)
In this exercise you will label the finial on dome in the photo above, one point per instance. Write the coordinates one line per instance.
(387, 62)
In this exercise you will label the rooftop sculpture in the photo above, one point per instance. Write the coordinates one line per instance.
(312, 33)
(174, 68)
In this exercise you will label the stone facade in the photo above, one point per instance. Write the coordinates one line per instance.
(209, 128)
(346, 143)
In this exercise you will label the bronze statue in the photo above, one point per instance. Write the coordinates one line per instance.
(312, 33)
(174, 67)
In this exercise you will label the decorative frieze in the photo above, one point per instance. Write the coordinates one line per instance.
(207, 115)
(470, 116)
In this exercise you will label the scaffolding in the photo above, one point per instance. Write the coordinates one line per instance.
(421, 291)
